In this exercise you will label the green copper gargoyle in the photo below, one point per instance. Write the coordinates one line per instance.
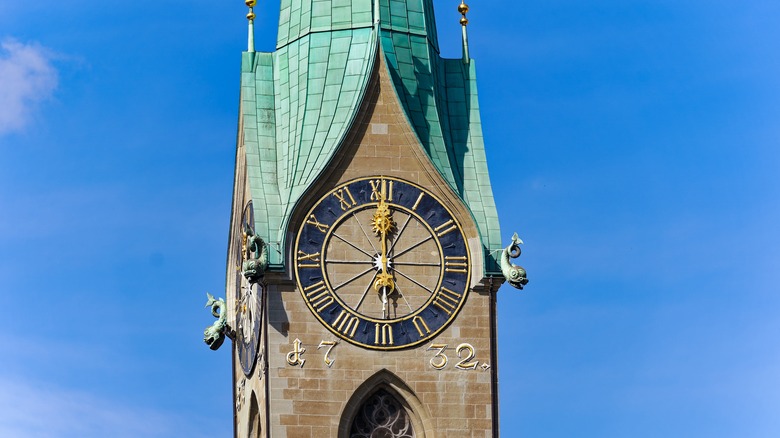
(214, 335)
(515, 275)
(255, 257)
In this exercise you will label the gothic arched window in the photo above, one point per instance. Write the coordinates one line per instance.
(381, 416)
(254, 417)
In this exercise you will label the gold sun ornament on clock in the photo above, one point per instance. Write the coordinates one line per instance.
(383, 220)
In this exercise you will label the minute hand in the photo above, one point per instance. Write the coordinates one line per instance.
(383, 224)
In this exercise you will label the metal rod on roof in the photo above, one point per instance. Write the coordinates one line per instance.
(251, 17)
(463, 8)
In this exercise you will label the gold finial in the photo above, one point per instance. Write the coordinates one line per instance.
(250, 4)
(463, 8)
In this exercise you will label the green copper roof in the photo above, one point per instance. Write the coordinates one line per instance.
(409, 16)
(299, 103)
(301, 17)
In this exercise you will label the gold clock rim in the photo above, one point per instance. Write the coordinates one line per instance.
(432, 335)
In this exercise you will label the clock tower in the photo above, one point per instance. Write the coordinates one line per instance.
(364, 253)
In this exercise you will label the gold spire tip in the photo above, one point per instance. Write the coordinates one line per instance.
(463, 8)
(250, 4)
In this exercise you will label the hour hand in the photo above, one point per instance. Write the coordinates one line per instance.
(386, 284)
(384, 281)
(383, 225)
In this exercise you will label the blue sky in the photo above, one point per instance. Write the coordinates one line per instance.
(634, 145)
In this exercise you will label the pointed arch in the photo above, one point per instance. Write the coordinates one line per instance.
(254, 417)
(385, 382)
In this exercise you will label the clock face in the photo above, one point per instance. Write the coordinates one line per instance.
(382, 263)
(249, 307)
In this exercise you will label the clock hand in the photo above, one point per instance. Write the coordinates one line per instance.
(384, 302)
(246, 329)
(385, 279)
(383, 224)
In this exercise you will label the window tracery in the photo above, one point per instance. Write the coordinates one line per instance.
(381, 416)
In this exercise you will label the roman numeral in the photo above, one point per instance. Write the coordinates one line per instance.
(318, 296)
(381, 189)
(447, 300)
(313, 221)
(346, 200)
(455, 264)
(417, 203)
(384, 333)
(308, 260)
(445, 228)
(420, 324)
(346, 324)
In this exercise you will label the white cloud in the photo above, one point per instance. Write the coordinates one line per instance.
(37, 410)
(27, 77)
(64, 388)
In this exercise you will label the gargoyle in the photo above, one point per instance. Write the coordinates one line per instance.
(214, 335)
(515, 275)
(255, 257)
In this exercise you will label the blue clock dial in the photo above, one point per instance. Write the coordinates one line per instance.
(382, 263)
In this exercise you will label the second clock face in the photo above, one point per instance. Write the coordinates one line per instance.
(382, 263)
(249, 300)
